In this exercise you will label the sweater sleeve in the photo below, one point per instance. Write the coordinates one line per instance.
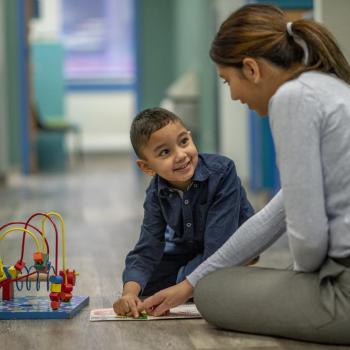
(252, 238)
(296, 123)
(148, 252)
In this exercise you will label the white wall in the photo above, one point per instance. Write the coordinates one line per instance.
(104, 117)
(335, 16)
(47, 27)
(233, 116)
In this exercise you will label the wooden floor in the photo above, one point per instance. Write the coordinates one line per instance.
(101, 203)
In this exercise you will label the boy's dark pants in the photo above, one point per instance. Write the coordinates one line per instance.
(166, 273)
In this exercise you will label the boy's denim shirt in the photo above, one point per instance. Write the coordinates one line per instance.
(196, 222)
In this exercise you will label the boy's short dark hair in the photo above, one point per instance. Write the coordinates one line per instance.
(146, 123)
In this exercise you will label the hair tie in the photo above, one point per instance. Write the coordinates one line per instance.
(289, 28)
(301, 42)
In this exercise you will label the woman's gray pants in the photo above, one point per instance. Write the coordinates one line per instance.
(306, 306)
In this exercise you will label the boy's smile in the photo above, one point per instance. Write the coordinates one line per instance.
(170, 153)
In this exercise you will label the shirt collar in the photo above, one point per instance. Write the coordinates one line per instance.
(200, 174)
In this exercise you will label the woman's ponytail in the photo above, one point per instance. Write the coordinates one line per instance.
(262, 31)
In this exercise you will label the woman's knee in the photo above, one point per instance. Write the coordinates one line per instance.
(211, 298)
(202, 294)
(204, 298)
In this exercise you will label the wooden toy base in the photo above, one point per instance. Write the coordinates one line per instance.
(34, 307)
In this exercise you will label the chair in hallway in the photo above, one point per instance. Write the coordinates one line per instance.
(59, 126)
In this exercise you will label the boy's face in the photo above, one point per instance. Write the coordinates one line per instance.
(170, 153)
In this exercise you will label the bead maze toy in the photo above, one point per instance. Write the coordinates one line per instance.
(60, 303)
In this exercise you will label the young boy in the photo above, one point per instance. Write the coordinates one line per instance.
(193, 204)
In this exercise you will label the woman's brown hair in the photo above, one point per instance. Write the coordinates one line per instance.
(258, 30)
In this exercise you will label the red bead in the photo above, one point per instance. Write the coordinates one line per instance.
(54, 296)
(20, 265)
(55, 305)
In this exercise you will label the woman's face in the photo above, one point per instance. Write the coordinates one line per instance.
(244, 88)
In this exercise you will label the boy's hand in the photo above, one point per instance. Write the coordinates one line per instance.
(127, 305)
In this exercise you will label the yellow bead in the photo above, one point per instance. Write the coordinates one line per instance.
(55, 288)
(12, 271)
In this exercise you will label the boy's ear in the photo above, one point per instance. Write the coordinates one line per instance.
(142, 164)
(251, 70)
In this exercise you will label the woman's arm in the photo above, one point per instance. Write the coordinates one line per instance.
(253, 237)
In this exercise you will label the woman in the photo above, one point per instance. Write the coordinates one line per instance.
(295, 73)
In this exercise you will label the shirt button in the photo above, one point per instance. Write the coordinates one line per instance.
(188, 225)
(195, 185)
(186, 201)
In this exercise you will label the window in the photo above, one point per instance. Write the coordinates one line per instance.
(99, 42)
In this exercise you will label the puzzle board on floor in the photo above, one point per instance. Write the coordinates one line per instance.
(179, 312)
(38, 307)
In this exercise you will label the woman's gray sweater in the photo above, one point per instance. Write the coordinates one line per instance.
(310, 122)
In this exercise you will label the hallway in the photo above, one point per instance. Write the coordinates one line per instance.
(101, 204)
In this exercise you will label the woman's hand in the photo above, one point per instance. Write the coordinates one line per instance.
(164, 300)
(127, 305)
